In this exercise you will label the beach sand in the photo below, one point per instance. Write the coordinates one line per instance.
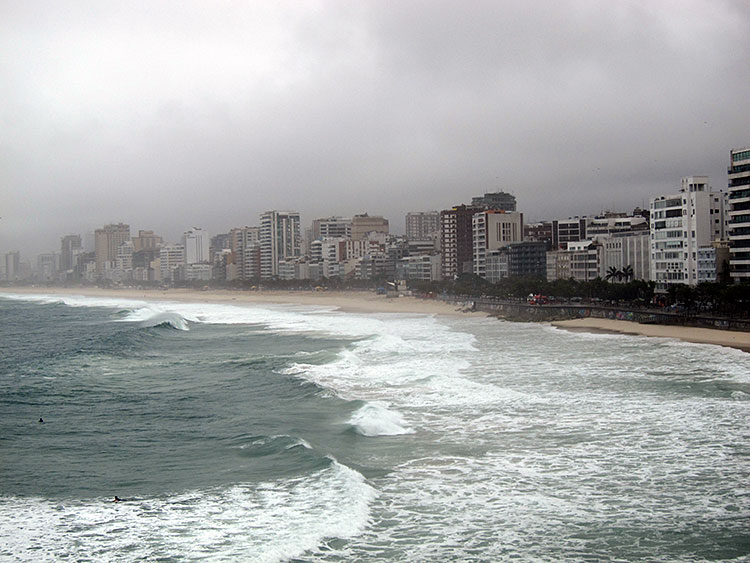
(732, 339)
(346, 301)
(369, 302)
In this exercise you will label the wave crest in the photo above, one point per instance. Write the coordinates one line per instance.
(376, 420)
(171, 320)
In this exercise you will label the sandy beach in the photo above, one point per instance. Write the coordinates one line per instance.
(347, 301)
(732, 339)
(369, 302)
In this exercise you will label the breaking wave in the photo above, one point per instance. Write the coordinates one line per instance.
(376, 420)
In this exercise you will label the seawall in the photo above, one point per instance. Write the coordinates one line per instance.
(517, 311)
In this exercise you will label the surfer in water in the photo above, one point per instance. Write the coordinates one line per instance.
(117, 499)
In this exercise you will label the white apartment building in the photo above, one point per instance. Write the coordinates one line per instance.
(124, 263)
(171, 261)
(585, 260)
(425, 267)
(558, 265)
(196, 243)
(713, 262)
(279, 240)
(624, 249)
(198, 271)
(497, 266)
(680, 225)
(739, 214)
(492, 230)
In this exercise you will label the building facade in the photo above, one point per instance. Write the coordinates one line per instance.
(172, 262)
(739, 214)
(196, 242)
(585, 260)
(331, 227)
(70, 247)
(491, 231)
(422, 225)
(456, 245)
(280, 239)
(146, 240)
(500, 201)
(568, 230)
(425, 267)
(628, 253)
(106, 242)
(680, 225)
(363, 225)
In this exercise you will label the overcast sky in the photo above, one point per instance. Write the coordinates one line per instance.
(168, 115)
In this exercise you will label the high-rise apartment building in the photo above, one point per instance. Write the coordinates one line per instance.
(680, 225)
(244, 243)
(456, 240)
(422, 225)
(739, 214)
(13, 266)
(279, 240)
(172, 262)
(196, 243)
(365, 224)
(106, 242)
(491, 231)
(70, 247)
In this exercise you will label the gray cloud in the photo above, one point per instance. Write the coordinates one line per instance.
(167, 115)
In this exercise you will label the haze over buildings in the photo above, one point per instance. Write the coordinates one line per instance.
(207, 114)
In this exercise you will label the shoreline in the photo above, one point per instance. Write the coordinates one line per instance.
(695, 335)
(367, 302)
(363, 302)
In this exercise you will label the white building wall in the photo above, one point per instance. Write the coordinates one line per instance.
(171, 259)
(279, 240)
(680, 225)
(196, 242)
(493, 230)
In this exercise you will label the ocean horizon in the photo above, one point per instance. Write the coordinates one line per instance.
(263, 432)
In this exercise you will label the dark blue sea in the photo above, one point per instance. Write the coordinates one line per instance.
(282, 433)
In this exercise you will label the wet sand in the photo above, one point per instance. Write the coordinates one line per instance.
(732, 339)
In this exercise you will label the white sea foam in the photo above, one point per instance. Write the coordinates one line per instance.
(274, 521)
(375, 419)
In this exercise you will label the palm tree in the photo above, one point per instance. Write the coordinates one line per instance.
(627, 273)
(613, 273)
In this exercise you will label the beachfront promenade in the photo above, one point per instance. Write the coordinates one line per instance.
(521, 311)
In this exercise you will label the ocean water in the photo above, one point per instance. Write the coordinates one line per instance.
(243, 433)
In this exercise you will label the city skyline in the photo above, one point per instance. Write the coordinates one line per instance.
(397, 227)
(196, 114)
